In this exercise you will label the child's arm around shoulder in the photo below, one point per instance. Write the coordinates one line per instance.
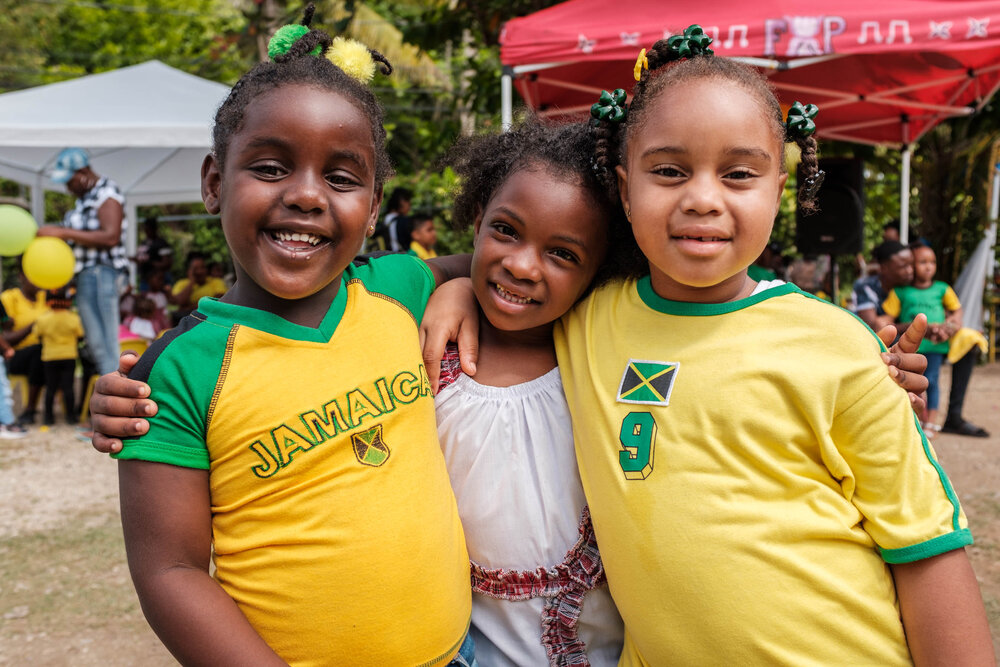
(942, 611)
(167, 523)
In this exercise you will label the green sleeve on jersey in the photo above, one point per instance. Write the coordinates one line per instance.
(401, 277)
(182, 372)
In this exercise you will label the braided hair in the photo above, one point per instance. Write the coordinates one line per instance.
(664, 72)
(299, 65)
(486, 162)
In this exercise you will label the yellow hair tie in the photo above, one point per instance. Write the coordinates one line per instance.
(641, 63)
(353, 57)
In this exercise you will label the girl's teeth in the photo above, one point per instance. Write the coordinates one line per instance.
(510, 296)
(296, 236)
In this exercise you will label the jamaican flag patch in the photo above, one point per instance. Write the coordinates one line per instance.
(369, 447)
(647, 382)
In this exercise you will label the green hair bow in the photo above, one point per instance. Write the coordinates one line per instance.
(694, 42)
(610, 107)
(799, 122)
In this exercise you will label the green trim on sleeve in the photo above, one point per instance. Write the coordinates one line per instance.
(935, 547)
(161, 452)
(949, 490)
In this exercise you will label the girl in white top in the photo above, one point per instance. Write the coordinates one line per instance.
(543, 228)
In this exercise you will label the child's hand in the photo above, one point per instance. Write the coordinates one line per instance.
(115, 402)
(451, 314)
(906, 366)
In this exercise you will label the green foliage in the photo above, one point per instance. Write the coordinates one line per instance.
(434, 192)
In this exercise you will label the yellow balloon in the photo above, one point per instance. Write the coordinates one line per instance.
(48, 262)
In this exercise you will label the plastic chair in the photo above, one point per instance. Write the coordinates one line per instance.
(22, 382)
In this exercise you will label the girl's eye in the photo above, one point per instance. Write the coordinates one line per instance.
(564, 254)
(340, 179)
(668, 172)
(503, 229)
(267, 169)
(740, 174)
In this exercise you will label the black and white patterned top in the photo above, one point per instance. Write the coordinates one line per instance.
(84, 218)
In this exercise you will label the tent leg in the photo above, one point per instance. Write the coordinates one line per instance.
(904, 197)
(131, 238)
(506, 99)
(38, 200)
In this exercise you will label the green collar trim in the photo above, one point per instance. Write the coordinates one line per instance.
(668, 307)
(228, 314)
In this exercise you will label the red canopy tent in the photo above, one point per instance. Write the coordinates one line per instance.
(881, 72)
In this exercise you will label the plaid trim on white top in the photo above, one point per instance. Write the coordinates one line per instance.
(84, 218)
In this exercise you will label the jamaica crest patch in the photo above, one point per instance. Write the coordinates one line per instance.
(369, 448)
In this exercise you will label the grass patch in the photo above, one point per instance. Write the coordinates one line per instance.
(64, 580)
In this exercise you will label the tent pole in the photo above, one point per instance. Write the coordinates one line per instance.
(904, 184)
(38, 200)
(506, 99)
(131, 238)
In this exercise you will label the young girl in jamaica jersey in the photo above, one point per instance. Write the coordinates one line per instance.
(761, 491)
(320, 493)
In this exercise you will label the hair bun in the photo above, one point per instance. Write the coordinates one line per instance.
(284, 38)
(353, 57)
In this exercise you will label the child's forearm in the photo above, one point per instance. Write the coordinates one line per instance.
(449, 267)
(942, 611)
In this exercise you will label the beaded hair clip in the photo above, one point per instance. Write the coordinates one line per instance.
(353, 57)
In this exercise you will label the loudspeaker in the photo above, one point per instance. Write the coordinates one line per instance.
(837, 228)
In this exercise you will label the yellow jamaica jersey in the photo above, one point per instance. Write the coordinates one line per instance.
(334, 525)
(751, 470)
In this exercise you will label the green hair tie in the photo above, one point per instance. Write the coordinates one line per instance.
(799, 123)
(694, 42)
(610, 107)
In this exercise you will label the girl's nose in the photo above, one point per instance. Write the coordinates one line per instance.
(523, 264)
(306, 192)
(702, 195)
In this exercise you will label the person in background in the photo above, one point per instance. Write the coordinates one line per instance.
(141, 323)
(198, 283)
(891, 231)
(23, 305)
(95, 228)
(938, 301)
(870, 293)
(9, 428)
(393, 233)
(60, 331)
(153, 254)
(424, 237)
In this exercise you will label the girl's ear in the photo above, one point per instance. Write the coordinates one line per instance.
(623, 186)
(782, 179)
(476, 225)
(373, 214)
(211, 184)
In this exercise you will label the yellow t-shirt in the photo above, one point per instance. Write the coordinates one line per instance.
(422, 252)
(751, 471)
(59, 330)
(335, 528)
(212, 287)
(23, 312)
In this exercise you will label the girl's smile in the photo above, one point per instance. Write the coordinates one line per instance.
(296, 194)
(702, 183)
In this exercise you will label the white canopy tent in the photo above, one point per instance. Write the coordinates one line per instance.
(148, 127)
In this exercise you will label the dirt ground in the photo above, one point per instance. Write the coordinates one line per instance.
(65, 593)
